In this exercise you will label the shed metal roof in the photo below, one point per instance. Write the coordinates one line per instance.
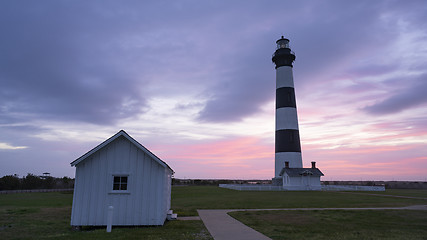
(114, 137)
(295, 172)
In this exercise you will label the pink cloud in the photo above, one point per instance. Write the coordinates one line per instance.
(253, 158)
(406, 162)
(241, 157)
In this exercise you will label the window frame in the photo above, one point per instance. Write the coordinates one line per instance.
(113, 183)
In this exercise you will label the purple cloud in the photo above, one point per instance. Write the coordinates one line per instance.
(102, 64)
(403, 99)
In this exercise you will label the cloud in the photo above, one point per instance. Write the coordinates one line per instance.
(99, 67)
(320, 54)
(223, 158)
(59, 67)
(404, 99)
(234, 99)
(7, 146)
(73, 72)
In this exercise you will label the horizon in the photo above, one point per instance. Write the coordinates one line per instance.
(194, 83)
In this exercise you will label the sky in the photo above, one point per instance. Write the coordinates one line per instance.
(193, 81)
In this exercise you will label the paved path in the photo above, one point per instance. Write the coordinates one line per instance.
(223, 227)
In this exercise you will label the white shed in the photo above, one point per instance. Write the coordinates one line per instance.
(122, 173)
(301, 178)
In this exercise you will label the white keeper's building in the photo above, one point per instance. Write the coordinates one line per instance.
(301, 178)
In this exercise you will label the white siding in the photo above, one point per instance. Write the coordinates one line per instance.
(301, 182)
(147, 199)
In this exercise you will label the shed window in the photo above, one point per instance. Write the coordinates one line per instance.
(120, 183)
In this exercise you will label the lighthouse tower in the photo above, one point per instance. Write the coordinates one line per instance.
(288, 147)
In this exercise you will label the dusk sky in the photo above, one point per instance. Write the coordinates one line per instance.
(193, 81)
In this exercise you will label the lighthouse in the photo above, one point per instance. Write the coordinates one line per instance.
(287, 140)
(289, 174)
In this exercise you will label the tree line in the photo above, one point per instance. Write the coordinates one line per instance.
(31, 181)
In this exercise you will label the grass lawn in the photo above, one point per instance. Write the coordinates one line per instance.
(420, 193)
(186, 200)
(361, 224)
(47, 215)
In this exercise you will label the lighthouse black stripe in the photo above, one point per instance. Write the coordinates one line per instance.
(285, 97)
(283, 57)
(287, 140)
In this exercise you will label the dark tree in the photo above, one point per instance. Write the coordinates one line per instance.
(32, 181)
(10, 182)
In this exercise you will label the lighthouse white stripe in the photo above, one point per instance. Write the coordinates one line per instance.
(294, 159)
(284, 77)
(286, 118)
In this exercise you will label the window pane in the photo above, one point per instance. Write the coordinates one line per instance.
(124, 180)
(116, 186)
(117, 180)
(124, 187)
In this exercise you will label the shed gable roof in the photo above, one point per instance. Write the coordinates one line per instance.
(114, 137)
(296, 172)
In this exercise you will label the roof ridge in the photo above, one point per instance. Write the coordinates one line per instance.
(112, 138)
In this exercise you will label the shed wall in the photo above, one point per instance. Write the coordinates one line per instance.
(304, 181)
(146, 201)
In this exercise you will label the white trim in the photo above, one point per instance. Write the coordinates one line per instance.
(120, 174)
(119, 192)
(127, 191)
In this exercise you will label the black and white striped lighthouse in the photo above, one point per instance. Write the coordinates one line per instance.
(288, 147)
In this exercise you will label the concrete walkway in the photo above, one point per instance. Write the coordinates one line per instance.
(223, 227)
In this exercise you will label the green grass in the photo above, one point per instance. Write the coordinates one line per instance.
(361, 224)
(186, 200)
(47, 215)
(420, 193)
(54, 199)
